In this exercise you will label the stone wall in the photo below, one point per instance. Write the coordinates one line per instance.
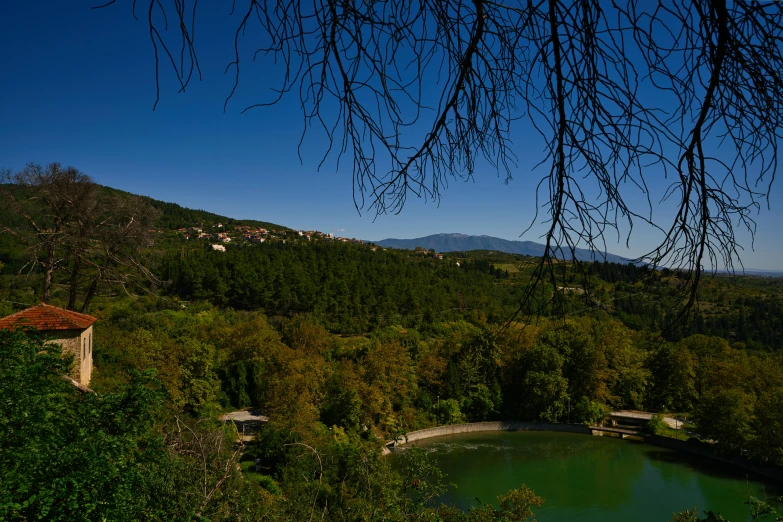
(77, 343)
(85, 369)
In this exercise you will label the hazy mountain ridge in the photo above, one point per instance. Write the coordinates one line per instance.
(463, 242)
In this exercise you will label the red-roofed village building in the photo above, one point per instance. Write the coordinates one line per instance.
(71, 330)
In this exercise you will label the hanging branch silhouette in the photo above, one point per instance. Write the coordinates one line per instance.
(417, 94)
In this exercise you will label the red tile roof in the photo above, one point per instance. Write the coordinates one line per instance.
(47, 317)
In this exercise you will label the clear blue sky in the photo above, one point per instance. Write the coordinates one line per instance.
(78, 87)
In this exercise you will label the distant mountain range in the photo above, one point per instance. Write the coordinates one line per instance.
(463, 243)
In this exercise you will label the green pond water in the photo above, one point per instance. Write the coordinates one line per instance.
(589, 479)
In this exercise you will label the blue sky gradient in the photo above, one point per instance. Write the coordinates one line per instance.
(79, 86)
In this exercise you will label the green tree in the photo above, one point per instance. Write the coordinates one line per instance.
(422, 480)
(585, 366)
(711, 360)
(588, 412)
(726, 416)
(449, 411)
(480, 403)
(200, 385)
(673, 369)
(342, 408)
(767, 426)
(539, 389)
(70, 455)
(656, 425)
(477, 376)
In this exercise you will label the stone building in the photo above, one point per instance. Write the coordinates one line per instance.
(71, 330)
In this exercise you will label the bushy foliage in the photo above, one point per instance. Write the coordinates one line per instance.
(692, 515)
(589, 412)
(67, 454)
(656, 425)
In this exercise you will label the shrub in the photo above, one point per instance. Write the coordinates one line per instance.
(656, 425)
(589, 412)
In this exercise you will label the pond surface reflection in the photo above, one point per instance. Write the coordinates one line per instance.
(589, 478)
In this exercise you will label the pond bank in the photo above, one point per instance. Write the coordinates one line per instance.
(473, 427)
(696, 448)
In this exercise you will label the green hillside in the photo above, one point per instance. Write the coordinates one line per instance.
(353, 288)
(174, 216)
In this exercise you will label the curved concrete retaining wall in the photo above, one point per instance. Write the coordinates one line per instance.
(474, 427)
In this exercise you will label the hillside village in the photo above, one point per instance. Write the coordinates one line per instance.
(226, 234)
(218, 235)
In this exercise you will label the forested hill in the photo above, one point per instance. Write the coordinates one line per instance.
(354, 288)
(351, 288)
(466, 243)
(174, 216)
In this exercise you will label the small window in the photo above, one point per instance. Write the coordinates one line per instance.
(84, 347)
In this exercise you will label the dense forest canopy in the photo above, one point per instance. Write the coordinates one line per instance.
(333, 400)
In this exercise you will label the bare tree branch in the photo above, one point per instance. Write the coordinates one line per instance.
(624, 97)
